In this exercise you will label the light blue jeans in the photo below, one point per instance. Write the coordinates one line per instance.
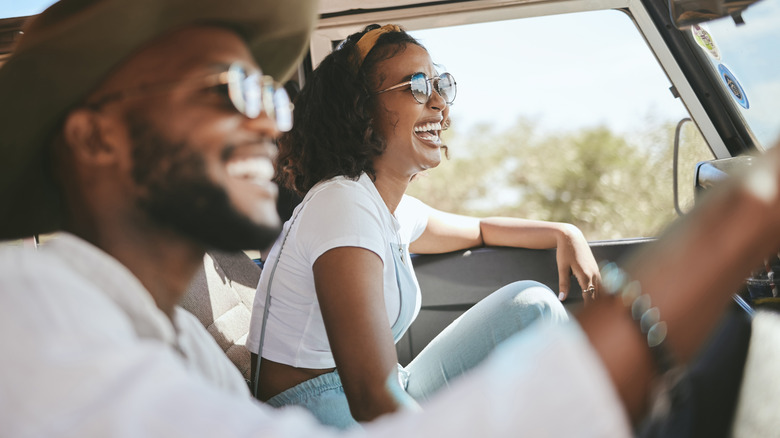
(458, 348)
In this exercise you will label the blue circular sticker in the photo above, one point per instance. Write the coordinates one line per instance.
(732, 84)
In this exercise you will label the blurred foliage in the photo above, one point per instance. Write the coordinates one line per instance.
(611, 185)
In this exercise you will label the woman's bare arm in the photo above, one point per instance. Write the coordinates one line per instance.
(447, 232)
(350, 292)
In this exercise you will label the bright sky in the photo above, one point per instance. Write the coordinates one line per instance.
(594, 68)
(564, 72)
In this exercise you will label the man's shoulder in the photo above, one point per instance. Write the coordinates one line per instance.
(51, 306)
(46, 264)
(46, 284)
(19, 262)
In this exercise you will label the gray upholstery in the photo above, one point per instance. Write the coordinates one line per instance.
(221, 297)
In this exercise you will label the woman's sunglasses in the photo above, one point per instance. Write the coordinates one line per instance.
(422, 86)
(250, 93)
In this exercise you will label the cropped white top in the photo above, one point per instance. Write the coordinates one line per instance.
(335, 213)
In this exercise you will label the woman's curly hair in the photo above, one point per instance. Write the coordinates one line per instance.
(333, 130)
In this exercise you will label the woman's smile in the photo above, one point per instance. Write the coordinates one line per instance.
(429, 132)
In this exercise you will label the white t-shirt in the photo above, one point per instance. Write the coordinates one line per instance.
(335, 213)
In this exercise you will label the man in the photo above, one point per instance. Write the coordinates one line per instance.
(130, 142)
(139, 129)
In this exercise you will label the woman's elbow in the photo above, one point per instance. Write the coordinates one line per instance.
(371, 402)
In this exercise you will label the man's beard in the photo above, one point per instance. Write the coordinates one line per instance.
(181, 197)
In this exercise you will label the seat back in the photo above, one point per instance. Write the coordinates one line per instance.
(221, 297)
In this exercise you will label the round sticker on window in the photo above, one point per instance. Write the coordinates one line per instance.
(733, 86)
(705, 40)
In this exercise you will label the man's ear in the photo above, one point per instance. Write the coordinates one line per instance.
(85, 134)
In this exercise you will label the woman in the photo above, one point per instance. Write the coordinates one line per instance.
(343, 291)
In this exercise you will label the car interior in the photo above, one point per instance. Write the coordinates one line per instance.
(222, 294)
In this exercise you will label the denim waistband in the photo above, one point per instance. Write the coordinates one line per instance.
(310, 388)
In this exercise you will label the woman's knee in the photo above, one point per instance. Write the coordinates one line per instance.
(532, 299)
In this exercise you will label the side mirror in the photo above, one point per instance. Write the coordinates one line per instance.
(689, 12)
(710, 173)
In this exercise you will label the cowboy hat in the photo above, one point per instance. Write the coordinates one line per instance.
(70, 47)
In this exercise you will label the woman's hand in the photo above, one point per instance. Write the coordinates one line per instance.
(575, 257)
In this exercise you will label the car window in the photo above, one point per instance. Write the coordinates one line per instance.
(565, 118)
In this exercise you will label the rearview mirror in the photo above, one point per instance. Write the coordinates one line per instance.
(688, 12)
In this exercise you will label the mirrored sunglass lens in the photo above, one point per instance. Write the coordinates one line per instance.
(447, 87)
(268, 98)
(421, 87)
(235, 79)
(283, 109)
(251, 95)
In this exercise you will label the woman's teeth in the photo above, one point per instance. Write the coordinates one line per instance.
(428, 127)
(428, 131)
(259, 169)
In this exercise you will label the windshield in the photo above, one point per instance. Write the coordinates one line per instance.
(746, 59)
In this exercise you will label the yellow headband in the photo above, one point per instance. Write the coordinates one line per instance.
(368, 41)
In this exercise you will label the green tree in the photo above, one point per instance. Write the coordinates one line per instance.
(610, 185)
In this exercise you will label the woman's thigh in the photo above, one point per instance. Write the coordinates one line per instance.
(471, 337)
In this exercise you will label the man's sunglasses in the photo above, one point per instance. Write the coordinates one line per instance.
(250, 93)
(422, 86)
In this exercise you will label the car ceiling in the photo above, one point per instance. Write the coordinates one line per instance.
(342, 6)
(345, 7)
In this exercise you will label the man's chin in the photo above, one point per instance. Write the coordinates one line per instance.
(229, 231)
(232, 230)
(204, 214)
(252, 238)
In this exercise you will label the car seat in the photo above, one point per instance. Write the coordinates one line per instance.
(221, 297)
